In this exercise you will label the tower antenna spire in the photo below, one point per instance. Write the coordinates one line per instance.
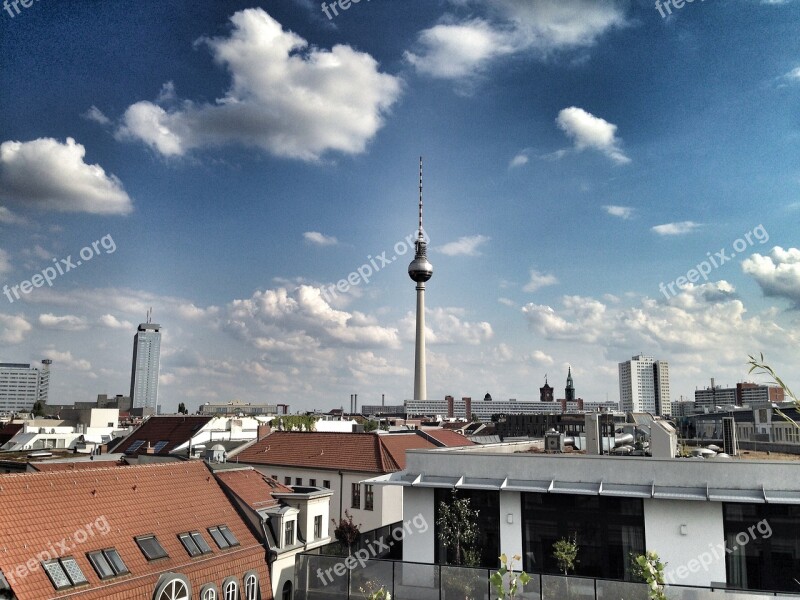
(420, 198)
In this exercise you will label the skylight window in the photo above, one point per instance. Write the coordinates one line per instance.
(107, 563)
(135, 446)
(218, 537)
(223, 529)
(64, 572)
(151, 547)
(160, 446)
(201, 542)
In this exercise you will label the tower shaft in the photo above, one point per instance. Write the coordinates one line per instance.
(420, 378)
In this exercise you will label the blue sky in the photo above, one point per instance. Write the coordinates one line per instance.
(244, 156)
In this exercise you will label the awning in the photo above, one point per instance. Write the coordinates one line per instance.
(665, 492)
(477, 483)
(782, 497)
(625, 490)
(728, 495)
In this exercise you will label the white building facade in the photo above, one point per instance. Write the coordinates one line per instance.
(644, 386)
(22, 385)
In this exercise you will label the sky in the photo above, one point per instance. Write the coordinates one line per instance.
(601, 179)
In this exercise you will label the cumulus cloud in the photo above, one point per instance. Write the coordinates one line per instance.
(64, 323)
(518, 161)
(96, 115)
(778, 274)
(287, 98)
(680, 228)
(320, 239)
(267, 317)
(623, 212)
(539, 280)
(111, 322)
(458, 48)
(465, 246)
(65, 360)
(53, 176)
(13, 329)
(448, 326)
(588, 131)
(9, 218)
(793, 75)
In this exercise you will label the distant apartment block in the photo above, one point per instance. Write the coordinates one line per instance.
(644, 385)
(22, 385)
(237, 407)
(144, 372)
(744, 394)
(465, 408)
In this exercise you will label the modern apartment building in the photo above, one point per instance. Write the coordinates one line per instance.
(22, 385)
(644, 385)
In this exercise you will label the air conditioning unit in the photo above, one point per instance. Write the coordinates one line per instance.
(554, 441)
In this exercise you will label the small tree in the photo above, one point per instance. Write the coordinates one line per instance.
(565, 551)
(515, 581)
(651, 570)
(370, 426)
(38, 409)
(182, 409)
(458, 531)
(346, 531)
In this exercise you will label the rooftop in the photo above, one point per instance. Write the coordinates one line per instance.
(162, 433)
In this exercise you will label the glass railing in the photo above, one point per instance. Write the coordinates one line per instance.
(319, 577)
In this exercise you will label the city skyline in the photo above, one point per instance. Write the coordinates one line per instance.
(604, 181)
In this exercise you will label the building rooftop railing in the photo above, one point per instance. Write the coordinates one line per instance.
(320, 577)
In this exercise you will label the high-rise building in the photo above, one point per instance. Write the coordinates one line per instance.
(644, 385)
(22, 385)
(146, 359)
(420, 271)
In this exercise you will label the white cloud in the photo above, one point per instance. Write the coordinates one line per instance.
(539, 280)
(793, 75)
(96, 115)
(5, 263)
(541, 358)
(778, 274)
(588, 131)
(623, 212)
(53, 176)
(464, 246)
(111, 322)
(286, 98)
(13, 329)
(320, 239)
(680, 228)
(64, 360)
(461, 48)
(518, 161)
(64, 323)
(9, 218)
(448, 326)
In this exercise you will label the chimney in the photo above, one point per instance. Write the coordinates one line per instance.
(149, 449)
(383, 399)
(468, 407)
(355, 402)
(712, 383)
(264, 429)
(351, 404)
(450, 402)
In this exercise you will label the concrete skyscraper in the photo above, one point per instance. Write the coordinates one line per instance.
(420, 271)
(22, 385)
(146, 363)
(644, 386)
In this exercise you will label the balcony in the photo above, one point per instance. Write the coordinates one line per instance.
(320, 577)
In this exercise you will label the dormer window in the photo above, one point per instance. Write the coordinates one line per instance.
(288, 536)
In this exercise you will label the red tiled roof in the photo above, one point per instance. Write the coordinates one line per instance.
(76, 465)
(449, 438)
(175, 430)
(252, 487)
(362, 452)
(97, 509)
(398, 443)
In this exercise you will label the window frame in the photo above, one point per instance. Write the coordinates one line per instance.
(289, 529)
(145, 538)
(369, 497)
(355, 494)
(317, 527)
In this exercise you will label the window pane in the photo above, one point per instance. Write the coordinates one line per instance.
(73, 571)
(56, 574)
(201, 542)
(189, 544)
(218, 537)
(115, 559)
(228, 535)
(101, 565)
(151, 547)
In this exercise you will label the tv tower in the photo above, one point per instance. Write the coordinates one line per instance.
(420, 270)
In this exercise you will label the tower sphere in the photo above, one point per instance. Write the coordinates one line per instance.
(420, 269)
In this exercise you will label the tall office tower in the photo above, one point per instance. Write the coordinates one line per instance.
(644, 386)
(569, 391)
(146, 356)
(22, 385)
(420, 271)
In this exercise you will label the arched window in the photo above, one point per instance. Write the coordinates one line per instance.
(174, 589)
(209, 592)
(231, 590)
(250, 587)
(287, 591)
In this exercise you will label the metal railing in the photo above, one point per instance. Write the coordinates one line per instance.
(320, 577)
